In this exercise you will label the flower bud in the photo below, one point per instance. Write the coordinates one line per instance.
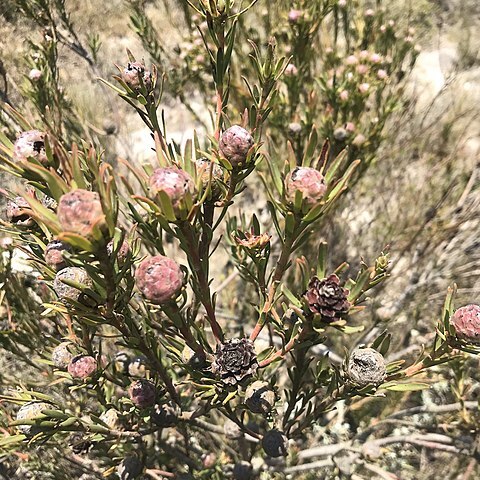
(133, 72)
(366, 366)
(209, 460)
(235, 144)
(176, 184)
(243, 471)
(142, 393)
(295, 16)
(359, 140)
(80, 211)
(275, 443)
(61, 356)
(30, 144)
(29, 411)
(294, 129)
(291, 70)
(35, 75)
(82, 366)
(259, 397)
(466, 322)
(17, 212)
(54, 254)
(308, 181)
(364, 87)
(159, 279)
(165, 416)
(130, 468)
(66, 292)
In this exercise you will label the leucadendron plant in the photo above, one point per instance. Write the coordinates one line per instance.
(131, 362)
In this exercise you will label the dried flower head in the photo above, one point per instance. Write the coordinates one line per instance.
(466, 322)
(366, 366)
(308, 181)
(235, 144)
(82, 366)
(159, 279)
(61, 355)
(254, 242)
(259, 397)
(134, 73)
(327, 298)
(80, 211)
(30, 144)
(176, 184)
(75, 274)
(54, 254)
(235, 360)
(142, 393)
(275, 443)
(18, 212)
(29, 411)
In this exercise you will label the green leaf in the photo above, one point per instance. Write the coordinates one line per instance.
(406, 387)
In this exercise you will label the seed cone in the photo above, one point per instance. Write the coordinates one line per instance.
(366, 366)
(243, 471)
(61, 356)
(159, 279)
(235, 360)
(327, 298)
(466, 321)
(142, 393)
(66, 292)
(275, 443)
(29, 411)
